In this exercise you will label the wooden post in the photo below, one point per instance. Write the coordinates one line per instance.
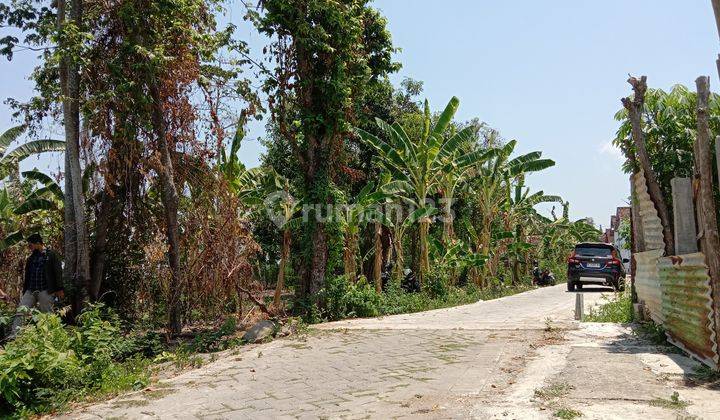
(709, 239)
(637, 240)
(635, 107)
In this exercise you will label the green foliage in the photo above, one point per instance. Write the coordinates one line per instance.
(617, 309)
(673, 403)
(652, 332)
(330, 56)
(396, 301)
(567, 413)
(213, 340)
(624, 233)
(342, 299)
(49, 364)
(669, 123)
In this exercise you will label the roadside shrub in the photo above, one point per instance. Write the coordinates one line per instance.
(437, 283)
(7, 313)
(361, 300)
(214, 340)
(618, 309)
(49, 364)
(340, 299)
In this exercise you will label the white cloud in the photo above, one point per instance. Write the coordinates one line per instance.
(609, 149)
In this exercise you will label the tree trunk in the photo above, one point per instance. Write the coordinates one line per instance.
(635, 109)
(424, 251)
(488, 268)
(102, 222)
(448, 231)
(318, 266)
(349, 257)
(284, 255)
(70, 245)
(69, 232)
(709, 239)
(170, 200)
(399, 258)
(77, 259)
(378, 260)
(636, 238)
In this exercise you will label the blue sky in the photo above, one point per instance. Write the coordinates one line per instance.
(547, 73)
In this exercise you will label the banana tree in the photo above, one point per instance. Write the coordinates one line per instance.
(457, 256)
(34, 205)
(399, 223)
(352, 218)
(521, 213)
(10, 160)
(492, 183)
(418, 165)
(284, 208)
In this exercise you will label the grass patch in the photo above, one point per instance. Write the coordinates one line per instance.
(341, 299)
(553, 391)
(618, 309)
(397, 302)
(705, 375)
(567, 413)
(673, 403)
(652, 332)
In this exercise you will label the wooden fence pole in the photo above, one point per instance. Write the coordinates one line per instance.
(709, 239)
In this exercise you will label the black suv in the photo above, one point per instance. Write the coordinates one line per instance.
(595, 263)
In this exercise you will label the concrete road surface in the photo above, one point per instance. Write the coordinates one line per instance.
(521, 356)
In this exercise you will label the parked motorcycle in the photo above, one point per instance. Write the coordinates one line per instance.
(542, 277)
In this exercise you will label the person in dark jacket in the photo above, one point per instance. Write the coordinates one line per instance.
(43, 280)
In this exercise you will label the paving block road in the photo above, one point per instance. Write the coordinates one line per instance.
(469, 361)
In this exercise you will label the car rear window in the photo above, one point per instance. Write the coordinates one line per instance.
(593, 251)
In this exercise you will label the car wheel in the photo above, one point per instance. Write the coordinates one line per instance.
(570, 285)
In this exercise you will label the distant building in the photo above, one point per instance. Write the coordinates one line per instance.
(611, 235)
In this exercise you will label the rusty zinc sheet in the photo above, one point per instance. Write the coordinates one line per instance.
(652, 228)
(647, 283)
(687, 306)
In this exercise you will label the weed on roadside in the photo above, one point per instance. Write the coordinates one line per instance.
(567, 413)
(705, 375)
(553, 391)
(549, 327)
(652, 332)
(618, 309)
(674, 403)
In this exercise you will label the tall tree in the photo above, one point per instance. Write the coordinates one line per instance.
(77, 252)
(634, 107)
(326, 53)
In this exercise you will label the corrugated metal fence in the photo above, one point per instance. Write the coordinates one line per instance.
(650, 222)
(675, 291)
(647, 283)
(687, 305)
